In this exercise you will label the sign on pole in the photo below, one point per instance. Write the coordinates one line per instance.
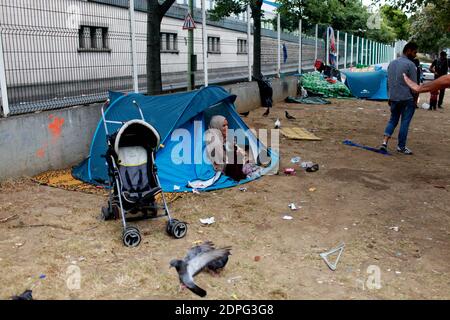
(189, 23)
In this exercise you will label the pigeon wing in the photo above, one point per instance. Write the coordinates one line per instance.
(188, 281)
(195, 251)
(196, 264)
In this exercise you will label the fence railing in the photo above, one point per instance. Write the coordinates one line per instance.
(65, 53)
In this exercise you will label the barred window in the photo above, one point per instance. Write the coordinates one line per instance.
(93, 39)
(242, 46)
(169, 42)
(213, 45)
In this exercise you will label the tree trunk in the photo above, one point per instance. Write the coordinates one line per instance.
(154, 82)
(256, 14)
(155, 14)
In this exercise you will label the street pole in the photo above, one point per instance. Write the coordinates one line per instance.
(357, 50)
(3, 86)
(345, 51)
(337, 51)
(317, 35)
(327, 59)
(300, 46)
(191, 80)
(362, 51)
(249, 35)
(279, 45)
(133, 47)
(205, 44)
(351, 53)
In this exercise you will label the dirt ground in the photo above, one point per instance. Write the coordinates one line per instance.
(359, 199)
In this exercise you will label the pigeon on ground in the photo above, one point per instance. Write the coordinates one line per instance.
(245, 114)
(26, 295)
(197, 259)
(265, 114)
(277, 124)
(289, 116)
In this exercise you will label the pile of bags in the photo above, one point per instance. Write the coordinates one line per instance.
(314, 82)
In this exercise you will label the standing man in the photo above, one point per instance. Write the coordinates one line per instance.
(440, 68)
(401, 98)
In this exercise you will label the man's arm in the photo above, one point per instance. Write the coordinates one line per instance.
(438, 84)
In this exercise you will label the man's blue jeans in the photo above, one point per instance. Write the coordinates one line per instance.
(404, 109)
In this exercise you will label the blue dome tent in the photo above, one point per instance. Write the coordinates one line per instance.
(166, 113)
(367, 85)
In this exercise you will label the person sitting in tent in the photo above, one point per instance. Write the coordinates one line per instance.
(225, 156)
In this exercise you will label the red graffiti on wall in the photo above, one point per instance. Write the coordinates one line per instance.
(55, 127)
(40, 153)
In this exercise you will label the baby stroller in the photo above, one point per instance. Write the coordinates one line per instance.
(133, 178)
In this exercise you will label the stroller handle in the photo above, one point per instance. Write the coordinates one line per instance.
(105, 122)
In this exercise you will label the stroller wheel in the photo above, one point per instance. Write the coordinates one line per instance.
(107, 214)
(179, 229)
(131, 237)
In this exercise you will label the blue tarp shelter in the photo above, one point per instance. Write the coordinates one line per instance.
(368, 85)
(188, 111)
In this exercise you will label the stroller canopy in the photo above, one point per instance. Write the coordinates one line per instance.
(164, 114)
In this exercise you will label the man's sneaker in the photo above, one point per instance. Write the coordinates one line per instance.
(383, 147)
(405, 150)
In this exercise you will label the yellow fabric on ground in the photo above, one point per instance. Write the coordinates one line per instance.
(299, 134)
(63, 179)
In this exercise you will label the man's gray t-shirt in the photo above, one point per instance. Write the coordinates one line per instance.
(397, 88)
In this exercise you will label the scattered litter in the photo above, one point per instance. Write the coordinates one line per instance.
(287, 218)
(242, 189)
(195, 191)
(175, 187)
(296, 160)
(289, 171)
(234, 279)
(425, 106)
(197, 242)
(394, 228)
(310, 167)
(398, 272)
(292, 206)
(360, 108)
(26, 295)
(325, 255)
(19, 244)
(257, 258)
(389, 270)
(208, 221)
(8, 218)
(81, 259)
(312, 189)
(345, 229)
(234, 296)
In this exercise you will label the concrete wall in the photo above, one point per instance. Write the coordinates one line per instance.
(34, 143)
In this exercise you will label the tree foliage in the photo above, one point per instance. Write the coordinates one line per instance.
(430, 28)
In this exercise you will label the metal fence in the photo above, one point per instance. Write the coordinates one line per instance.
(55, 54)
